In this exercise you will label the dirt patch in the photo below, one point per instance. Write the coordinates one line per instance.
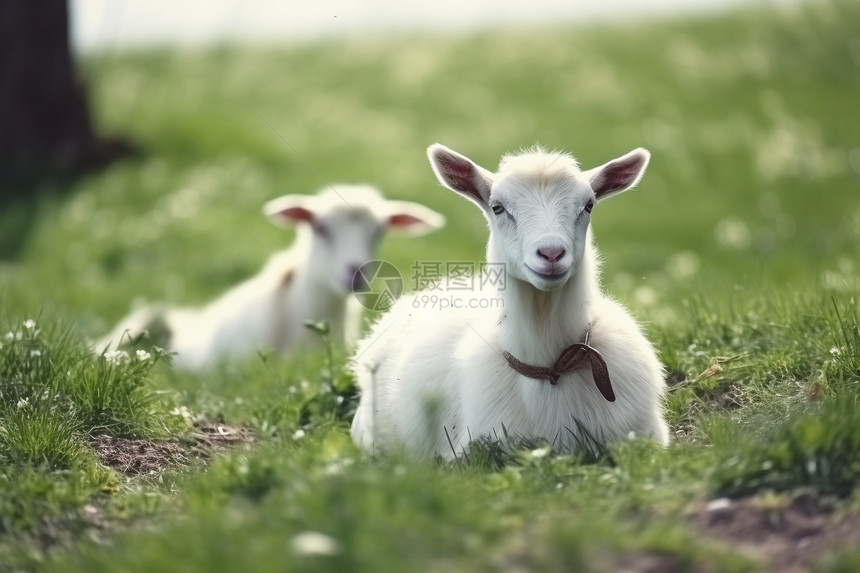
(789, 535)
(133, 457)
(218, 436)
(138, 457)
(639, 562)
(57, 533)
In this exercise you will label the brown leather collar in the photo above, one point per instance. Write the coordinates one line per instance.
(569, 359)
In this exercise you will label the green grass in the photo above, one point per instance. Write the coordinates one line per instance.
(55, 396)
(738, 252)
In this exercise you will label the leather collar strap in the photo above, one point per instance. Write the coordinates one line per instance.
(569, 359)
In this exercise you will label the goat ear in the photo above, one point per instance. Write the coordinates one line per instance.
(411, 219)
(459, 173)
(619, 174)
(290, 209)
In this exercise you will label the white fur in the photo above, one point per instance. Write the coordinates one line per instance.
(428, 375)
(338, 230)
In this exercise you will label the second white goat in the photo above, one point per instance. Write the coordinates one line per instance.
(556, 359)
(337, 232)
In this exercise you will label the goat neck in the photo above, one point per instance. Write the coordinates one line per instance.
(536, 325)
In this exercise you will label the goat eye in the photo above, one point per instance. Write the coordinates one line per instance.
(498, 209)
(589, 206)
(322, 231)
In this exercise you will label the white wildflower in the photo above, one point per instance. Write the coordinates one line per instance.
(684, 265)
(541, 452)
(184, 412)
(835, 351)
(645, 295)
(733, 233)
(10, 336)
(719, 504)
(23, 402)
(117, 357)
(336, 467)
(29, 324)
(35, 353)
(299, 434)
(314, 543)
(143, 355)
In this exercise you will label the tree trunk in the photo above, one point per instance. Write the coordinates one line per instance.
(45, 122)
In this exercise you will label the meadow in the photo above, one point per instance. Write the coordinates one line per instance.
(738, 253)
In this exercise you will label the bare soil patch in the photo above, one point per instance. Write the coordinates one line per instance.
(218, 436)
(639, 562)
(140, 457)
(133, 456)
(791, 536)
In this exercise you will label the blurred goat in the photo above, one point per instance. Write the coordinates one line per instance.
(337, 232)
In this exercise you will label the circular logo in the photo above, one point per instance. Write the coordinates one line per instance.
(377, 285)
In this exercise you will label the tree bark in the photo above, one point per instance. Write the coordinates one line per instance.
(45, 122)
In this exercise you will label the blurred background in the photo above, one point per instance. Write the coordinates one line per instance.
(135, 162)
(101, 24)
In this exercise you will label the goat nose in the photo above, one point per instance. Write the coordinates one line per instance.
(551, 254)
(357, 281)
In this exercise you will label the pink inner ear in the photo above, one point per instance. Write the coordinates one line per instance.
(297, 214)
(622, 175)
(459, 172)
(401, 220)
(617, 175)
(460, 175)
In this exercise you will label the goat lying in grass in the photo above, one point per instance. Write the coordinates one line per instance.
(338, 231)
(559, 361)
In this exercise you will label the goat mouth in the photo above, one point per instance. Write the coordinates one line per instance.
(555, 275)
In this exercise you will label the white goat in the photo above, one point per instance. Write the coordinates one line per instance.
(337, 233)
(431, 380)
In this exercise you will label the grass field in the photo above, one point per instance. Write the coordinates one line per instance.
(738, 252)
